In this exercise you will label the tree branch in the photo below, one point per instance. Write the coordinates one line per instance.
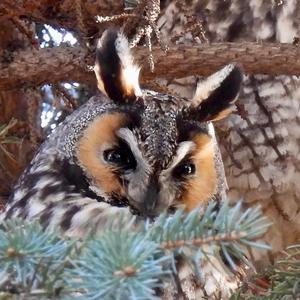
(47, 65)
(50, 65)
(61, 13)
(256, 58)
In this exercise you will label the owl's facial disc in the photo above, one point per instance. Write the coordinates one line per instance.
(100, 154)
(114, 160)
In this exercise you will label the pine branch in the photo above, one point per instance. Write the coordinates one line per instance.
(32, 67)
(226, 229)
(29, 258)
(286, 279)
(4, 129)
(278, 282)
(118, 265)
(122, 262)
(6, 139)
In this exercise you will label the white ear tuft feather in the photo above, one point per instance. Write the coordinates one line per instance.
(116, 73)
(215, 96)
(210, 84)
(130, 72)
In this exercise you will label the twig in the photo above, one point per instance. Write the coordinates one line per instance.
(66, 97)
(233, 236)
(21, 27)
(101, 19)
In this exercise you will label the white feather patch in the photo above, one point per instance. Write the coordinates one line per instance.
(99, 79)
(35, 208)
(183, 149)
(130, 72)
(211, 83)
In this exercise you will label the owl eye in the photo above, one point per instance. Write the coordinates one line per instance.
(184, 169)
(120, 157)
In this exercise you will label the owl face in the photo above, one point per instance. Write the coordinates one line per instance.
(153, 151)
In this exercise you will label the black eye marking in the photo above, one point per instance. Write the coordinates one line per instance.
(185, 169)
(120, 157)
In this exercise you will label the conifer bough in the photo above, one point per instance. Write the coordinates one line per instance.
(124, 261)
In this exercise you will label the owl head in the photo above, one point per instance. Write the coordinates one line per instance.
(153, 150)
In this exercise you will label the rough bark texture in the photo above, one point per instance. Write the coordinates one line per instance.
(62, 13)
(13, 104)
(36, 67)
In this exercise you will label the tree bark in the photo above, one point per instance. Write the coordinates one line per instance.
(13, 105)
(62, 13)
(36, 67)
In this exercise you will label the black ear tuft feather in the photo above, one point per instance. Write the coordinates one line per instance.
(116, 74)
(215, 96)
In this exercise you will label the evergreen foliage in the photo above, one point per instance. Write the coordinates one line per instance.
(281, 282)
(31, 259)
(126, 261)
(286, 275)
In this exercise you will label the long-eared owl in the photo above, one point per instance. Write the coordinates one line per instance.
(127, 149)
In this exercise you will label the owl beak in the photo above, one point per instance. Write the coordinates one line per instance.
(151, 197)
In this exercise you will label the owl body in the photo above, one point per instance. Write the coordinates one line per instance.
(56, 188)
(128, 151)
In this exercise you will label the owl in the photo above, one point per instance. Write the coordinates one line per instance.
(127, 149)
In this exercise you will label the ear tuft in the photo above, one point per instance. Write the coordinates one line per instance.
(215, 96)
(116, 73)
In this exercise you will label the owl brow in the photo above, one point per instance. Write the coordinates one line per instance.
(183, 151)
